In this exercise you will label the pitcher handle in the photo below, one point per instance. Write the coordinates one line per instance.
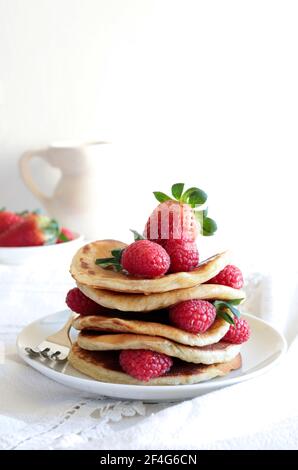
(24, 166)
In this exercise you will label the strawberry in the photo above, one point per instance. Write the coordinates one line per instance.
(65, 235)
(8, 219)
(142, 258)
(32, 230)
(175, 218)
(171, 220)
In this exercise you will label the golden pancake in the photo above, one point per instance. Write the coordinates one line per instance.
(86, 272)
(211, 354)
(148, 303)
(104, 366)
(113, 323)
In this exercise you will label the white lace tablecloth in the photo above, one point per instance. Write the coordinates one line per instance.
(37, 413)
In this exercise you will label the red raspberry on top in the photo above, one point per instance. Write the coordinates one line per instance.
(143, 364)
(145, 258)
(79, 303)
(142, 258)
(8, 219)
(238, 333)
(195, 316)
(230, 276)
(184, 255)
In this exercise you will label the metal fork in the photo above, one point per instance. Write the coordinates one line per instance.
(55, 347)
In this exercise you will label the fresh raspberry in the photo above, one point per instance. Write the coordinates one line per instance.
(79, 303)
(238, 333)
(146, 259)
(171, 220)
(184, 255)
(65, 235)
(8, 219)
(195, 316)
(143, 364)
(230, 276)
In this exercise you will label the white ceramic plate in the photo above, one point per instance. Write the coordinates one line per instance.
(264, 349)
(25, 254)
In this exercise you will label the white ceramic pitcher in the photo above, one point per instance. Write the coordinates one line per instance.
(78, 197)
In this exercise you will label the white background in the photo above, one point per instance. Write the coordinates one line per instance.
(204, 92)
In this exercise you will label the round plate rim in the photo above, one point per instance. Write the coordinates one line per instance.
(107, 387)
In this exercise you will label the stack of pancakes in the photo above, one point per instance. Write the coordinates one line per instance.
(136, 317)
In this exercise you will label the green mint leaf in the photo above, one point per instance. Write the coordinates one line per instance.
(117, 254)
(236, 301)
(161, 197)
(137, 235)
(114, 261)
(105, 261)
(209, 227)
(219, 304)
(177, 190)
(225, 316)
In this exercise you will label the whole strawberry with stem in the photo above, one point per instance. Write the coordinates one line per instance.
(8, 219)
(175, 217)
(142, 258)
(32, 230)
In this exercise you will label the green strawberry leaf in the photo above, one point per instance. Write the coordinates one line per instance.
(63, 238)
(137, 235)
(50, 229)
(199, 215)
(194, 197)
(23, 213)
(197, 198)
(225, 316)
(209, 226)
(161, 197)
(177, 190)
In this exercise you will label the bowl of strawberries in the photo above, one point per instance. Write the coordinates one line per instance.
(29, 236)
